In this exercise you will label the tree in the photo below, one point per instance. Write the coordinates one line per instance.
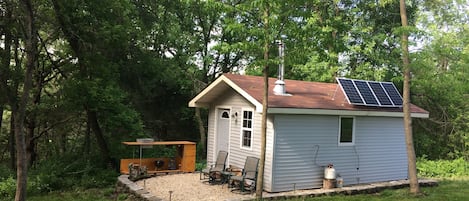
(440, 83)
(6, 95)
(265, 99)
(411, 159)
(19, 111)
(98, 37)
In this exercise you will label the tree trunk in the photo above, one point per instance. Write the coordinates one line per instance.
(200, 124)
(30, 45)
(93, 121)
(62, 142)
(265, 104)
(30, 141)
(1, 118)
(32, 123)
(31, 146)
(412, 169)
(87, 143)
(11, 143)
(21, 159)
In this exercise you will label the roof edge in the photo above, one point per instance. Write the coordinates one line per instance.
(342, 112)
(223, 78)
(193, 101)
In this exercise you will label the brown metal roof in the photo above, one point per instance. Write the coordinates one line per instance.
(306, 95)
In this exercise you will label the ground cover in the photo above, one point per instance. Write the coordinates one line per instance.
(448, 190)
(97, 194)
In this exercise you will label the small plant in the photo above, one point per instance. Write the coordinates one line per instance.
(122, 197)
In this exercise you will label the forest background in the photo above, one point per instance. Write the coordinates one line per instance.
(107, 71)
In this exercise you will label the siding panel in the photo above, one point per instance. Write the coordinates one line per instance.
(304, 144)
(211, 136)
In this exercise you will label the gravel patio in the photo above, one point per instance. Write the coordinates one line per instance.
(188, 187)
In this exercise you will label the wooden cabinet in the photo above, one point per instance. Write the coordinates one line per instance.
(185, 158)
(188, 158)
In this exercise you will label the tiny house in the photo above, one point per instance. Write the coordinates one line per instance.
(309, 126)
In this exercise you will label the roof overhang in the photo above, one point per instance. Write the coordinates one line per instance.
(343, 112)
(216, 88)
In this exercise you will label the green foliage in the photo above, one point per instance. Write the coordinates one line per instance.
(122, 197)
(7, 188)
(440, 80)
(454, 190)
(5, 172)
(102, 194)
(69, 172)
(200, 165)
(443, 168)
(200, 153)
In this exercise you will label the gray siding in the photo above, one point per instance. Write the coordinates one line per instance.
(304, 144)
(269, 154)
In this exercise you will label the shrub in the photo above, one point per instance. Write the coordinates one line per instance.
(69, 172)
(7, 188)
(442, 168)
(5, 172)
(200, 165)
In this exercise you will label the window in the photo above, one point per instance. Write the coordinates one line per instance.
(346, 130)
(225, 114)
(246, 130)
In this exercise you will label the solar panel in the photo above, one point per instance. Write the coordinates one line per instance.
(380, 94)
(370, 93)
(366, 92)
(394, 95)
(350, 91)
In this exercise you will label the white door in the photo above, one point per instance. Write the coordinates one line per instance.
(223, 130)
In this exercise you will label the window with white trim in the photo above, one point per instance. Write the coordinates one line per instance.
(346, 132)
(246, 130)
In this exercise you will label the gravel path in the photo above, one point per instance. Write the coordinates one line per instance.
(187, 187)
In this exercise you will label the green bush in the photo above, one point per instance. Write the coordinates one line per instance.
(200, 165)
(69, 172)
(7, 188)
(98, 179)
(442, 168)
(5, 172)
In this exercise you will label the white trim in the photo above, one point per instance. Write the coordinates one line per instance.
(340, 134)
(223, 78)
(247, 129)
(342, 112)
(203, 92)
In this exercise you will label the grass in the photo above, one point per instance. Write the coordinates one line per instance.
(447, 190)
(106, 194)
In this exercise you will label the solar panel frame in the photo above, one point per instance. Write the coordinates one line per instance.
(370, 93)
(367, 94)
(381, 94)
(393, 93)
(351, 92)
